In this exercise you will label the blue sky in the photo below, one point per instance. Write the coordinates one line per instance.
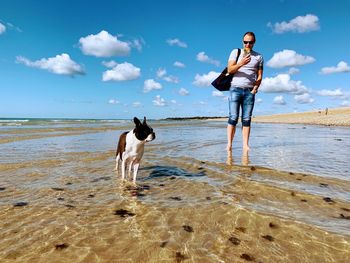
(119, 59)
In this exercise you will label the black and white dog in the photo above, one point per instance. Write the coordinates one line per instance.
(131, 147)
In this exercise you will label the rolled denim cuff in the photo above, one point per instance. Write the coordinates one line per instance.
(246, 123)
(232, 122)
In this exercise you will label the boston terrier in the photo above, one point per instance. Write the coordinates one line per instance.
(131, 146)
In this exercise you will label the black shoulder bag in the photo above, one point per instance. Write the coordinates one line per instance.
(223, 81)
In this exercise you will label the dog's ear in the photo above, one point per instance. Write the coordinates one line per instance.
(137, 121)
(144, 120)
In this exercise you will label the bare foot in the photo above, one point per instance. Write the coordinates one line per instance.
(246, 149)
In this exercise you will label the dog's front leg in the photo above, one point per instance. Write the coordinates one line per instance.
(123, 169)
(117, 159)
(136, 168)
(129, 170)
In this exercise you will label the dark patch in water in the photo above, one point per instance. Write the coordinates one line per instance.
(172, 172)
(187, 228)
(91, 195)
(303, 200)
(268, 237)
(2, 188)
(291, 173)
(241, 229)
(323, 185)
(292, 194)
(60, 199)
(61, 246)
(104, 178)
(180, 257)
(252, 168)
(345, 209)
(342, 216)
(337, 139)
(19, 204)
(208, 198)
(70, 206)
(123, 213)
(163, 244)
(137, 190)
(57, 189)
(176, 198)
(273, 225)
(69, 183)
(328, 200)
(162, 185)
(235, 241)
(247, 257)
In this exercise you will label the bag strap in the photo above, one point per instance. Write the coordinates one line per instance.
(238, 54)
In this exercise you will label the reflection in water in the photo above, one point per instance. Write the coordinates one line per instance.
(244, 160)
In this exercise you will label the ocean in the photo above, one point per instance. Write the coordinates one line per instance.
(287, 200)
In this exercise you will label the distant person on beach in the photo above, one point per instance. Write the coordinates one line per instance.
(247, 78)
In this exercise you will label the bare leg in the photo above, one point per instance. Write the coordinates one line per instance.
(230, 134)
(245, 134)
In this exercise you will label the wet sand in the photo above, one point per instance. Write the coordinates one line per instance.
(68, 205)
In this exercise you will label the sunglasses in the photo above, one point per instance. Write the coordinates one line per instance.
(248, 42)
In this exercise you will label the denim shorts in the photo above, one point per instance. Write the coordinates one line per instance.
(240, 98)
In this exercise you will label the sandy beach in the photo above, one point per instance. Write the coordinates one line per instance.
(61, 200)
(334, 117)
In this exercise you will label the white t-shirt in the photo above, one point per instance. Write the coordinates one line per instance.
(247, 74)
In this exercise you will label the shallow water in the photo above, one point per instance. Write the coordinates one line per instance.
(287, 201)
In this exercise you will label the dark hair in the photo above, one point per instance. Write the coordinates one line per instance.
(250, 34)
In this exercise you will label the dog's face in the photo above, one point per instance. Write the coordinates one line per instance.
(142, 131)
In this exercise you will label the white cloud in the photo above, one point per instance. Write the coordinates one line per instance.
(113, 101)
(293, 71)
(173, 102)
(2, 28)
(150, 85)
(103, 45)
(340, 68)
(158, 101)
(109, 64)
(304, 98)
(122, 72)
(337, 93)
(217, 93)
(282, 83)
(177, 42)
(279, 100)
(138, 44)
(136, 104)
(205, 80)
(61, 64)
(179, 64)
(299, 24)
(183, 92)
(331, 93)
(345, 103)
(171, 79)
(162, 74)
(202, 57)
(288, 58)
(258, 100)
